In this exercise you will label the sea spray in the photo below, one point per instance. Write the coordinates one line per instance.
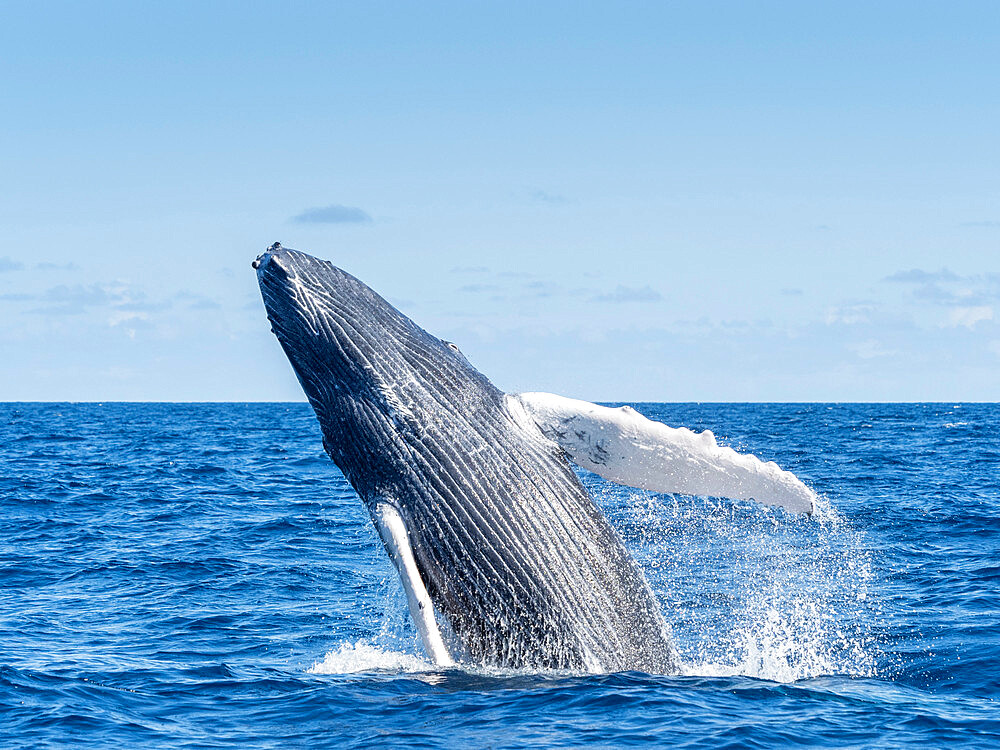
(755, 591)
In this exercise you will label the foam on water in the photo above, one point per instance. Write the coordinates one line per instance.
(361, 656)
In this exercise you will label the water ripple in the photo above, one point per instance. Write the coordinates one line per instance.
(197, 575)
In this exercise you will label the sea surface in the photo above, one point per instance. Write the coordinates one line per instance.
(201, 575)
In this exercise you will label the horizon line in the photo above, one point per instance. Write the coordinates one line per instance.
(101, 402)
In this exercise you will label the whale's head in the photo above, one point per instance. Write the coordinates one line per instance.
(374, 377)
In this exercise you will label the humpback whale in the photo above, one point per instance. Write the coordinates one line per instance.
(505, 559)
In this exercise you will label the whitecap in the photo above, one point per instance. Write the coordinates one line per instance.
(361, 656)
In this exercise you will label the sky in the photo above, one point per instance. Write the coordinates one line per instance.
(694, 201)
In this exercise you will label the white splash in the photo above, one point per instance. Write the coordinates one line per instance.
(351, 658)
(786, 645)
(756, 592)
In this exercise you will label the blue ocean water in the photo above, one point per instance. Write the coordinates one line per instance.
(200, 575)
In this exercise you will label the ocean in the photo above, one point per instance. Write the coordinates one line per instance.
(202, 576)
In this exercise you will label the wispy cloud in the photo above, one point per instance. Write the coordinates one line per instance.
(939, 295)
(334, 214)
(47, 266)
(990, 224)
(477, 288)
(852, 313)
(542, 196)
(871, 349)
(947, 288)
(970, 316)
(9, 264)
(917, 276)
(623, 294)
(539, 289)
(469, 269)
(76, 299)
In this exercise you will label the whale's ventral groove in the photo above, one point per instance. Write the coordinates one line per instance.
(517, 560)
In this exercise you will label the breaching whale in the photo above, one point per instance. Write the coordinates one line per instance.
(505, 559)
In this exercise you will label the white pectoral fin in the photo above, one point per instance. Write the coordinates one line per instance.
(397, 542)
(623, 446)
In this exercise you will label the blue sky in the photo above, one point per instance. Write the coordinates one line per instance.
(653, 201)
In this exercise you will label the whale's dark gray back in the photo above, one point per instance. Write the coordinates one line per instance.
(510, 546)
